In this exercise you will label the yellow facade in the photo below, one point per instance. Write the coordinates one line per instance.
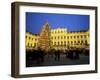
(58, 38)
(61, 38)
(31, 40)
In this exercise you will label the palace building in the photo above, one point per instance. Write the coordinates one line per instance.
(59, 39)
(31, 40)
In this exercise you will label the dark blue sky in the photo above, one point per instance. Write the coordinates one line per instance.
(73, 22)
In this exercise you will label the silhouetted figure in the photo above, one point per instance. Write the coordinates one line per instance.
(66, 53)
(70, 54)
(74, 54)
(57, 55)
(77, 54)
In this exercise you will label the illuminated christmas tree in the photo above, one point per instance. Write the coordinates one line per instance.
(44, 40)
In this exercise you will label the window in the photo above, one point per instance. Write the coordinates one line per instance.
(84, 36)
(58, 43)
(78, 41)
(28, 44)
(64, 37)
(34, 44)
(61, 37)
(82, 41)
(77, 36)
(31, 45)
(71, 42)
(85, 41)
(64, 42)
(61, 42)
(32, 38)
(67, 37)
(58, 37)
(81, 36)
(55, 43)
(74, 42)
(29, 37)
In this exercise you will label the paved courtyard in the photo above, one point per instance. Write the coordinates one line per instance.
(50, 60)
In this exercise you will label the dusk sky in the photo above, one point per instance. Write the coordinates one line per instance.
(73, 22)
